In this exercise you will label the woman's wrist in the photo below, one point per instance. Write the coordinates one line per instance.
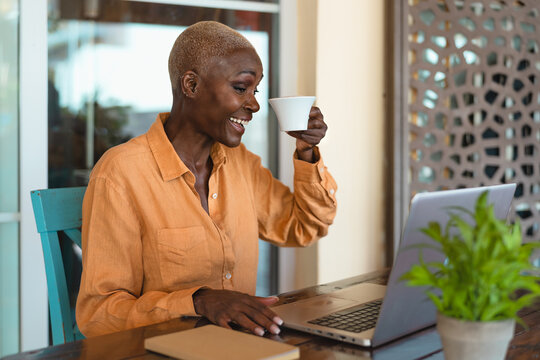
(197, 300)
(307, 154)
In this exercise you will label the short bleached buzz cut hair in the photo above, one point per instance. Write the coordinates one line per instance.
(198, 44)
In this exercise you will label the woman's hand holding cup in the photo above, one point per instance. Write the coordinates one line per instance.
(301, 120)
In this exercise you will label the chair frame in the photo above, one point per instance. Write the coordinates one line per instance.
(57, 210)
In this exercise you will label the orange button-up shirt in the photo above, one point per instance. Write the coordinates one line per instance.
(148, 244)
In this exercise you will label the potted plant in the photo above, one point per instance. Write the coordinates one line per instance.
(486, 279)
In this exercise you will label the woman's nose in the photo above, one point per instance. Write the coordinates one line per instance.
(252, 104)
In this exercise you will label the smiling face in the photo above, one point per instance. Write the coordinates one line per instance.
(224, 97)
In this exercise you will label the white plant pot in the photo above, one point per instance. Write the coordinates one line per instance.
(473, 340)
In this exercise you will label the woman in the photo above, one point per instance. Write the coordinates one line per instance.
(171, 219)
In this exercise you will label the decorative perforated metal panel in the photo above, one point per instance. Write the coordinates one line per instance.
(474, 99)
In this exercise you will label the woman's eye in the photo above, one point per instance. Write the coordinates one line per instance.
(240, 89)
(256, 91)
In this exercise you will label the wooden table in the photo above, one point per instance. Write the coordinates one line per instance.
(424, 345)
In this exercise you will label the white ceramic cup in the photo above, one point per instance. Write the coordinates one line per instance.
(292, 111)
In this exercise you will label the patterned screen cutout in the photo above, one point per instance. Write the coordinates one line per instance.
(474, 99)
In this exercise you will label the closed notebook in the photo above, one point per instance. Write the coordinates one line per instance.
(213, 342)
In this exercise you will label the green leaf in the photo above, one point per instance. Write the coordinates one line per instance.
(436, 300)
(491, 312)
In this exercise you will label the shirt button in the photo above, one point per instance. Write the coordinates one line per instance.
(332, 191)
(214, 196)
(228, 276)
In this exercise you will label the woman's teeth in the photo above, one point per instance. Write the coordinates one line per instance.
(238, 121)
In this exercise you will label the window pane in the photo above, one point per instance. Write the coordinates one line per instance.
(9, 177)
(108, 79)
(9, 288)
(9, 105)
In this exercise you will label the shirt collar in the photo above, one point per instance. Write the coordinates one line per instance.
(218, 155)
(169, 163)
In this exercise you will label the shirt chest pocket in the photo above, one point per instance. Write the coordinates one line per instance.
(183, 257)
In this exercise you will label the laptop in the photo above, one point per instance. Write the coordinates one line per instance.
(370, 314)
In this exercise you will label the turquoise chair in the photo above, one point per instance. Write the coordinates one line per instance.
(55, 211)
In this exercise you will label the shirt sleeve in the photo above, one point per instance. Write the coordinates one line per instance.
(296, 218)
(110, 298)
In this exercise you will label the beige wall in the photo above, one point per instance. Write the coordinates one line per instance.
(341, 60)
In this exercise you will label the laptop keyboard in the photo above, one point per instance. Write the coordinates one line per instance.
(356, 319)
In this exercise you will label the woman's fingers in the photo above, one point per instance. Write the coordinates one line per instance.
(259, 312)
(316, 121)
(311, 139)
(267, 301)
(275, 320)
(267, 322)
(223, 307)
(316, 129)
(267, 311)
(314, 135)
(315, 113)
(223, 322)
(252, 319)
(247, 323)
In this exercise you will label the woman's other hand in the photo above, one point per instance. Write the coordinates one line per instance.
(223, 307)
(307, 139)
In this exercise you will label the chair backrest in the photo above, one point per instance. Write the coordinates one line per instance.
(55, 211)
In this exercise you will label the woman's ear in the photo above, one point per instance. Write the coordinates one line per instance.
(189, 83)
